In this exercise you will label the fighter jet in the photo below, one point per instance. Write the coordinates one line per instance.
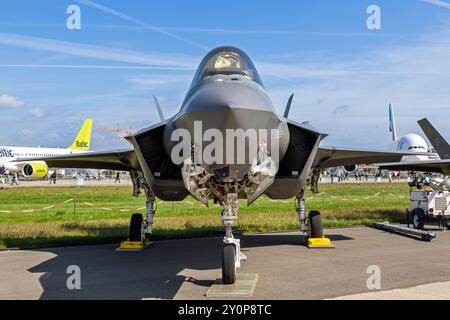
(226, 143)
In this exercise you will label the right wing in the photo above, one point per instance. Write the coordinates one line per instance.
(120, 160)
(335, 157)
(439, 166)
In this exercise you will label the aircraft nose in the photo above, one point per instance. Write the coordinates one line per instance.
(227, 95)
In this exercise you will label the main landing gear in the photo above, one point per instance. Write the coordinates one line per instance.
(140, 228)
(311, 226)
(231, 252)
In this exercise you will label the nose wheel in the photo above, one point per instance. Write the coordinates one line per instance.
(229, 264)
(231, 251)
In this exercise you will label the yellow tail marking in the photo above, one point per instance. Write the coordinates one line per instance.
(83, 139)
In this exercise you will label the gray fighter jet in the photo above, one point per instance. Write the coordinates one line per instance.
(230, 155)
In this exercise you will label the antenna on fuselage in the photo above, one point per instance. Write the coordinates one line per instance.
(288, 106)
(158, 106)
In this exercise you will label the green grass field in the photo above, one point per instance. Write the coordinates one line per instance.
(101, 214)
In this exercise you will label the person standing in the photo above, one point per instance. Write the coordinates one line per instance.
(15, 179)
(53, 177)
(117, 179)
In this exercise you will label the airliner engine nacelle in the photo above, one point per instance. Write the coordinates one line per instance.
(35, 170)
(350, 169)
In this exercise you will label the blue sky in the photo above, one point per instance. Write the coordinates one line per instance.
(344, 75)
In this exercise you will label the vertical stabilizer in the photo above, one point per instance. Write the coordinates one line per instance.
(83, 140)
(158, 106)
(437, 141)
(392, 127)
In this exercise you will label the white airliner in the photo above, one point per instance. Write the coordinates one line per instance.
(410, 142)
(39, 169)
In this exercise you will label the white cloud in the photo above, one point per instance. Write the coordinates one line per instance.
(413, 76)
(26, 133)
(438, 3)
(158, 81)
(10, 102)
(98, 52)
(36, 112)
(138, 22)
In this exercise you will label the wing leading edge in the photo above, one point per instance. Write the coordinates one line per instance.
(439, 166)
(123, 160)
(334, 157)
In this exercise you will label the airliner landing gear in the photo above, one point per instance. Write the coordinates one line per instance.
(231, 252)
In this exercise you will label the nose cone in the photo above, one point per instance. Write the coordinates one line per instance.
(227, 104)
(227, 92)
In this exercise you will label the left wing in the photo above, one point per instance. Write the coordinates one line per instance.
(123, 160)
(335, 157)
(439, 166)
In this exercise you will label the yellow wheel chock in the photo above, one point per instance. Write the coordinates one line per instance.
(133, 245)
(317, 243)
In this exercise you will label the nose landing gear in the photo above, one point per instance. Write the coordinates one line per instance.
(231, 252)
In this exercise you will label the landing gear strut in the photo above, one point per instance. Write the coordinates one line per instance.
(300, 207)
(231, 252)
(313, 229)
(140, 228)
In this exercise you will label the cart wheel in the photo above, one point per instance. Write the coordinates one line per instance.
(418, 219)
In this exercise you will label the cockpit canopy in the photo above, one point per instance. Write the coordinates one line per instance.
(226, 61)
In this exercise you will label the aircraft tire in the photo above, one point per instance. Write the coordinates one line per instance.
(315, 224)
(136, 227)
(228, 264)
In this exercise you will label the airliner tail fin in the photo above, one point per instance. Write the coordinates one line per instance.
(392, 122)
(83, 140)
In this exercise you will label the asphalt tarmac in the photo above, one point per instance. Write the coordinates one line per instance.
(185, 269)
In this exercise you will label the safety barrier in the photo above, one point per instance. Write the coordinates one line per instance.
(319, 196)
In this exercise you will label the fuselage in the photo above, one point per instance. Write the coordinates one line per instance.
(227, 135)
(9, 156)
(228, 110)
(411, 143)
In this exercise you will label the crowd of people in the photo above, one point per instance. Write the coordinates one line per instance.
(336, 176)
(12, 178)
(7, 177)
